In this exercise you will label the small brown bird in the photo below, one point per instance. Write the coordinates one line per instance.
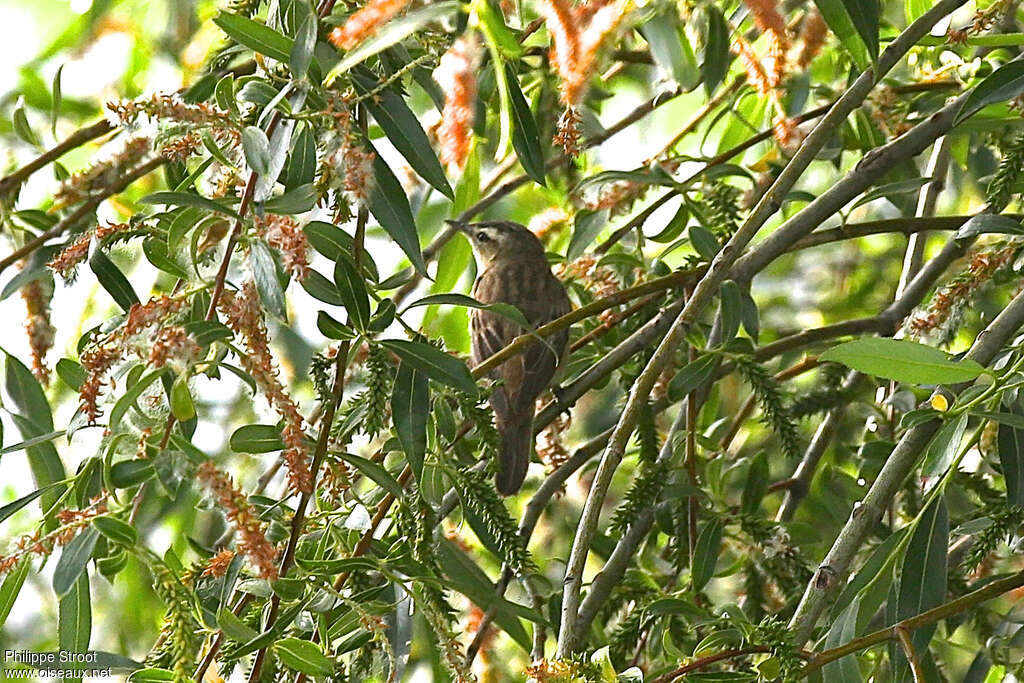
(513, 269)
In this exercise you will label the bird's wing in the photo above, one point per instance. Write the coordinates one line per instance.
(525, 375)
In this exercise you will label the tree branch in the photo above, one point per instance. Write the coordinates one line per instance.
(949, 609)
(707, 289)
(81, 212)
(77, 139)
(835, 567)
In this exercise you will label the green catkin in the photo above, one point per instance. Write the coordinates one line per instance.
(1005, 523)
(721, 209)
(1001, 189)
(775, 411)
(179, 625)
(478, 495)
(644, 491)
(418, 526)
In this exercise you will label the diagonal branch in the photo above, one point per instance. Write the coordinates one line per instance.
(84, 209)
(76, 139)
(707, 289)
(835, 567)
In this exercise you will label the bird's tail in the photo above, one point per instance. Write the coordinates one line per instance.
(514, 457)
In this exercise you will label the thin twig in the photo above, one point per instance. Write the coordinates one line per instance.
(903, 636)
(949, 609)
(83, 210)
(708, 660)
(76, 139)
(835, 567)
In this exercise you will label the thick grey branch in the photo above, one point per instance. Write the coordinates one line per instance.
(835, 567)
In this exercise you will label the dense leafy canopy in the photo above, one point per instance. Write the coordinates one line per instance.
(242, 434)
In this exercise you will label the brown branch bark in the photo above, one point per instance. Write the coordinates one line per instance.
(80, 137)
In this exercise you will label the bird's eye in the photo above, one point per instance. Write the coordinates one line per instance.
(482, 236)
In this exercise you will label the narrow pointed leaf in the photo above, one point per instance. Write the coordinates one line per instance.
(409, 396)
(74, 620)
(390, 207)
(902, 361)
(434, 363)
(73, 559)
(525, 136)
(113, 280)
(403, 129)
(264, 273)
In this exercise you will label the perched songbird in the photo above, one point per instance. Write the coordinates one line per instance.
(513, 269)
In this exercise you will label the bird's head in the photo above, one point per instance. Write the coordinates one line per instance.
(496, 240)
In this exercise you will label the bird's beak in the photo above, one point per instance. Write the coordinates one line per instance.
(461, 226)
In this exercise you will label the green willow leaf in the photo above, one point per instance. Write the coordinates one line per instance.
(11, 587)
(375, 472)
(264, 273)
(352, 290)
(1001, 85)
(525, 136)
(130, 396)
(986, 223)
(902, 361)
(73, 558)
(670, 48)
(864, 15)
(301, 53)
(296, 200)
(322, 289)
(256, 439)
(586, 227)
(182, 406)
(302, 163)
(455, 299)
(71, 373)
(390, 207)
(403, 129)
(392, 32)
(255, 36)
(116, 530)
(205, 332)
(692, 376)
(189, 200)
(9, 509)
(467, 578)
(27, 394)
(838, 19)
(1010, 443)
(157, 253)
(113, 280)
(944, 446)
(409, 395)
(74, 620)
(730, 306)
(128, 473)
(921, 577)
(256, 146)
(328, 239)
(843, 630)
(706, 552)
(716, 49)
(434, 363)
(704, 242)
(304, 656)
(46, 465)
(333, 328)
